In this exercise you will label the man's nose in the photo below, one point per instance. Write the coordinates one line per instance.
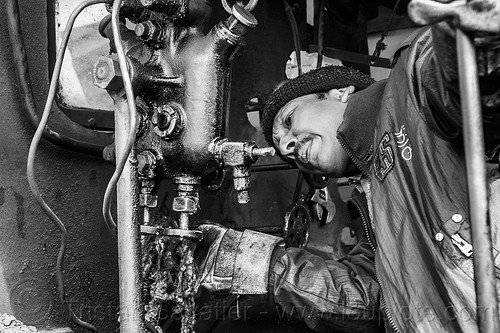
(287, 146)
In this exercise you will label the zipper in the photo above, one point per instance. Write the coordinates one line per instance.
(370, 235)
(346, 148)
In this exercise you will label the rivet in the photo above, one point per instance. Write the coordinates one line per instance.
(439, 237)
(457, 218)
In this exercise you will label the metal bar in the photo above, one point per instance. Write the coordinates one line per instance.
(358, 58)
(272, 167)
(268, 229)
(128, 233)
(484, 269)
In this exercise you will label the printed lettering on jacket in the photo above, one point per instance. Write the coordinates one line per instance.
(383, 160)
(404, 144)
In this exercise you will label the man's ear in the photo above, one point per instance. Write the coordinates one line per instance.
(346, 93)
(341, 94)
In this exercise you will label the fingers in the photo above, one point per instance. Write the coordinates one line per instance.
(483, 16)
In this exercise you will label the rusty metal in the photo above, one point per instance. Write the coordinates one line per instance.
(484, 268)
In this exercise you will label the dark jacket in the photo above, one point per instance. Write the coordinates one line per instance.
(422, 280)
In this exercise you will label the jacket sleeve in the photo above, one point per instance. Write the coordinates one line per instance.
(436, 69)
(327, 294)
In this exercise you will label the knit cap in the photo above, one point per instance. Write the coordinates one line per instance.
(318, 80)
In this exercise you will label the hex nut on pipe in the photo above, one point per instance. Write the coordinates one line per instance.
(107, 74)
(185, 204)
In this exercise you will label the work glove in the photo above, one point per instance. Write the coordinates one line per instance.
(474, 15)
(235, 261)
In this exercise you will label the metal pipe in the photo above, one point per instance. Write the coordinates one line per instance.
(128, 233)
(484, 269)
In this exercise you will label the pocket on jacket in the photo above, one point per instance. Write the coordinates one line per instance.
(454, 239)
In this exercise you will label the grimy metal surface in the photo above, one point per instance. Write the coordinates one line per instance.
(128, 231)
(484, 269)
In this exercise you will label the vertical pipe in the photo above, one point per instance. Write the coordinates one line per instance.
(484, 269)
(128, 233)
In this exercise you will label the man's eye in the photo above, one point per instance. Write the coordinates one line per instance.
(288, 119)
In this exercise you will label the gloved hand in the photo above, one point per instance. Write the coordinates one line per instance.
(215, 255)
(475, 15)
(232, 260)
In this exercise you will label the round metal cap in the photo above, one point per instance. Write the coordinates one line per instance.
(244, 16)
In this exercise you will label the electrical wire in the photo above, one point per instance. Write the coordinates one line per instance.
(31, 162)
(295, 33)
(121, 160)
(82, 139)
(296, 42)
(321, 33)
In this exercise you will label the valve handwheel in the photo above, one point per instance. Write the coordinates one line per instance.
(296, 226)
(249, 6)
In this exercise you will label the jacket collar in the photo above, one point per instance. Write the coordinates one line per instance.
(355, 134)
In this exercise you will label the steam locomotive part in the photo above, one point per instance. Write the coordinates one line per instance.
(180, 77)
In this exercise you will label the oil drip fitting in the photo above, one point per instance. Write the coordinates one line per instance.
(186, 203)
(240, 156)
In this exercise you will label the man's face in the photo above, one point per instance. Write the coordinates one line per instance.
(305, 130)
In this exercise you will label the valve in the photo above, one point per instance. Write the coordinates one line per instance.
(240, 156)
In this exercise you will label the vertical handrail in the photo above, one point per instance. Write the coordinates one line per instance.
(484, 269)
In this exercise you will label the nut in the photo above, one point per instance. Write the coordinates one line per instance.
(148, 200)
(185, 204)
(107, 74)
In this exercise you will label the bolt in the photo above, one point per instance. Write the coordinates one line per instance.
(91, 122)
(107, 74)
(102, 71)
(149, 31)
(457, 218)
(439, 237)
(141, 30)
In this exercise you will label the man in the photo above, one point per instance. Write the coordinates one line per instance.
(403, 136)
